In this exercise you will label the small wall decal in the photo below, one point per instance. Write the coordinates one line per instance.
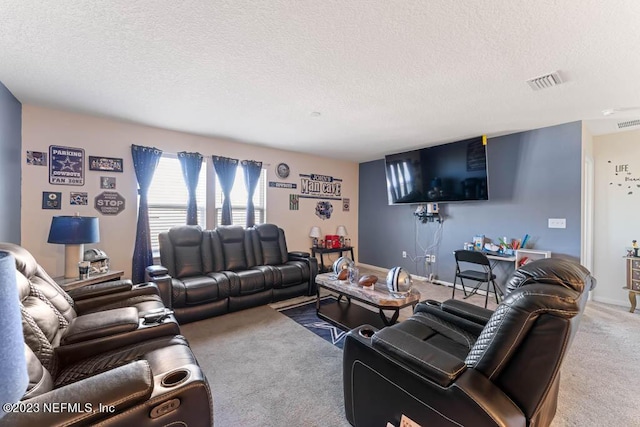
(294, 202)
(51, 200)
(36, 158)
(324, 209)
(79, 199)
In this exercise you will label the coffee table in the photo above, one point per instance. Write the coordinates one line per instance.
(347, 316)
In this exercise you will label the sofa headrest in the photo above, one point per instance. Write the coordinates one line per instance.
(267, 231)
(186, 235)
(552, 271)
(26, 264)
(230, 233)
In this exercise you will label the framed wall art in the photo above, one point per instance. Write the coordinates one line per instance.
(110, 164)
(66, 166)
(78, 199)
(108, 182)
(36, 158)
(51, 200)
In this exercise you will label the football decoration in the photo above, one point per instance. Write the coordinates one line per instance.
(342, 263)
(368, 280)
(344, 274)
(399, 282)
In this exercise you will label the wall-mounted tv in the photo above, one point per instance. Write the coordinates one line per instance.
(452, 172)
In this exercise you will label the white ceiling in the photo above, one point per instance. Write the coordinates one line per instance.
(385, 75)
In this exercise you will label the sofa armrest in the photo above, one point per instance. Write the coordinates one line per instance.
(159, 275)
(100, 289)
(428, 360)
(101, 324)
(299, 254)
(467, 311)
(83, 305)
(80, 403)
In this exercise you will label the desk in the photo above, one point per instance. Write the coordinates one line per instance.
(75, 282)
(323, 251)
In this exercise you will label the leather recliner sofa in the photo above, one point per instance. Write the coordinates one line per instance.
(206, 273)
(458, 364)
(107, 355)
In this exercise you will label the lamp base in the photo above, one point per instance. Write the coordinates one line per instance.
(73, 254)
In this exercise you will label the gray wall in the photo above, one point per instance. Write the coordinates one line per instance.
(10, 146)
(533, 176)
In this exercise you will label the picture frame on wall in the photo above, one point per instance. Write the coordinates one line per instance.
(109, 164)
(51, 200)
(108, 182)
(78, 198)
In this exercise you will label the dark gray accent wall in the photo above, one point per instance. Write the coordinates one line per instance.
(10, 148)
(533, 176)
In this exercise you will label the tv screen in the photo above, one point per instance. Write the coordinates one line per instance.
(451, 172)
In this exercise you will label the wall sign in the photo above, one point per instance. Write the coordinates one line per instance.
(66, 166)
(274, 184)
(110, 164)
(109, 203)
(320, 186)
(37, 158)
(324, 210)
(78, 198)
(294, 202)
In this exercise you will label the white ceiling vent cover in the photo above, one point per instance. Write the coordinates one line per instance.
(628, 123)
(545, 82)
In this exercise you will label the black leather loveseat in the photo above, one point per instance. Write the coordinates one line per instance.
(456, 364)
(207, 273)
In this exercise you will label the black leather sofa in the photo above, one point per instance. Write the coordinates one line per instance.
(205, 273)
(106, 354)
(456, 364)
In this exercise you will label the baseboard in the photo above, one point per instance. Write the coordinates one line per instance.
(621, 303)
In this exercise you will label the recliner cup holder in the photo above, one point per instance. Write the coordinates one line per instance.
(366, 332)
(432, 303)
(175, 378)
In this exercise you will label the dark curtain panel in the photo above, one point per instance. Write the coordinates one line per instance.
(226, 171)
(252, 171)
(191, 164)
(145, 161)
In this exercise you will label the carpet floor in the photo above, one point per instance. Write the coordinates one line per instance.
(267, 370)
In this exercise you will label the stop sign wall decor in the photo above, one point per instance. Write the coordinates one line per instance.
(109, 203)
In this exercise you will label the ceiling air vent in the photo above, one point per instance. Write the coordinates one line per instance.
(544, 82)
(628, 123)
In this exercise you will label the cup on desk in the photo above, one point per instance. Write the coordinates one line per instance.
(83, 269)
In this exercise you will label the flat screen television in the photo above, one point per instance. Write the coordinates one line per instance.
(452, 172)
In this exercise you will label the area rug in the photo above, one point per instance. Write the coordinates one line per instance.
(305, 314)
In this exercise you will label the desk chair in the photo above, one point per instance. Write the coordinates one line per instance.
(482, 273)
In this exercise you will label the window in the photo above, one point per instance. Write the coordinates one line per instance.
(168, 198)
(239, 199)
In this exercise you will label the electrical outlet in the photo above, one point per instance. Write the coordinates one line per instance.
(557, 223)
(404, 254)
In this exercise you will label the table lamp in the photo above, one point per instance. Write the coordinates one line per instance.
(315, 234)
(341, 231)
(13, 369)
(73, 232)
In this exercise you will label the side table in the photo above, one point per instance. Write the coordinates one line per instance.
(75, 282)
(633, 280)
(323, 251)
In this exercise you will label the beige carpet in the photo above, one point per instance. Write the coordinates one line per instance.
(266, 370)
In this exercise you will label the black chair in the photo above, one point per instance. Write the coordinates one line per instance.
(483, 273)
(457, 364)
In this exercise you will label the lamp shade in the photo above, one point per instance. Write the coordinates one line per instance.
(341, 231)
(315, 232)
(74, 230)
(13, 369)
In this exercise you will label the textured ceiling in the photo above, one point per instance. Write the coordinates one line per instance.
(384, 75)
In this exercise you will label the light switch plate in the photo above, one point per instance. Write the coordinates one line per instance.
(557, 223)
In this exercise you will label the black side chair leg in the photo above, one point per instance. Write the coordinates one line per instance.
(486, 294)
